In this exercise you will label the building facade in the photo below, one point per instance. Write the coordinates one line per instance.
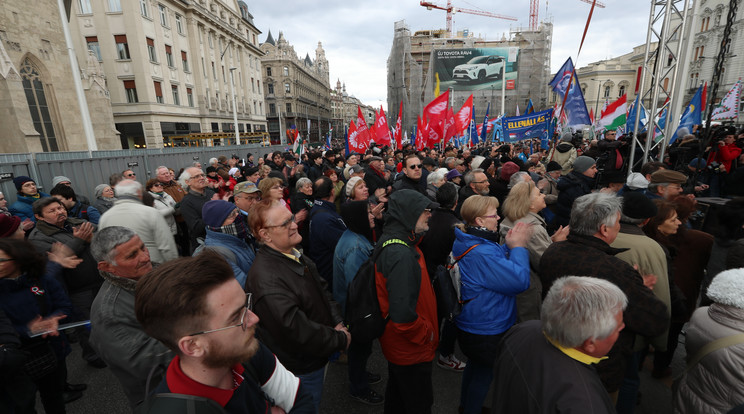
(411, 75)
(38, 105)
(297, 91)
(344, 110)
(173, 67)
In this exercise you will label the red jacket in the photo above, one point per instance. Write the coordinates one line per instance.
(725, 155)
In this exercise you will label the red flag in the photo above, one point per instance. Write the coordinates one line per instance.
(372, 133)
(361, 125)
(434, 133)
(489, 128)
(356, 142)
(591, 114)
(464, 115)
(437, 108)
(449, 125)
(399, 127)
(704, 95)
(381, 129)
(421, 134)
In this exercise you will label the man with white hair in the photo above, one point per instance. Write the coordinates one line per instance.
(595, 223)
(547, 364)
(128, 211)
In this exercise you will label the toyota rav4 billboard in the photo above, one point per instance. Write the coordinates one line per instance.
(473, 69)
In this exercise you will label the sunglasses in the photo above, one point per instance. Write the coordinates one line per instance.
(414, 166)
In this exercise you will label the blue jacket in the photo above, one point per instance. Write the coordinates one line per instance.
(22, 208)
(244, 255)
(492, 275)
(352, 250)
(20, 305)
(91, 213)
(325, 228)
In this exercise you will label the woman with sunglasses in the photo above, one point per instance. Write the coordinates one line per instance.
(492, 275)
(163, 202)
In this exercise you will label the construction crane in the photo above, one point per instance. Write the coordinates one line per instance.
(535, 4)
(451, 10)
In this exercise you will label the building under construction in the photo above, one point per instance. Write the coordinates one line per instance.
(464, 65)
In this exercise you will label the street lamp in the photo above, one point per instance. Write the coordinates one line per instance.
(235, 110)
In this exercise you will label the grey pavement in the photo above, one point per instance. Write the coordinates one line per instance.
(104, 394)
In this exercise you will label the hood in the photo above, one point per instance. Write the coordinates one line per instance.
(564, 147)
(354, 214)
(404, 209)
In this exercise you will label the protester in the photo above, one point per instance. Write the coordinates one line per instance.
(564, 153)
(575, 184)
(325, 227)
(27, 194)
(226, 230)
(75, 208)
(411, 178)
(356, 189)
(163, 202)
(542, 363)
(105, 198)
(194, 182)
(665, 184)
(489, 306)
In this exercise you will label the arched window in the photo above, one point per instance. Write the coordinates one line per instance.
(37, 104)
(621, 91)
(607, 91)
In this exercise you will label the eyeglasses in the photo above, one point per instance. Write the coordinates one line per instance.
(131, 175)
(198, 176)
(480, 182)
(242, 324)
(491, 216)
(251, 198)
(157, 185)
(285, 224)
(277, 187)
(5, 260)
(414, 166)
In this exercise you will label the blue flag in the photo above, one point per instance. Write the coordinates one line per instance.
(630, 124)
(693, 115)
(530, 109)
(328, 140)
(473, 132)
(346, 142)
(484, 129)
(534, 125)
(575, 107)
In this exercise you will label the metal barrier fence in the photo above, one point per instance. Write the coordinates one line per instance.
(86, 171)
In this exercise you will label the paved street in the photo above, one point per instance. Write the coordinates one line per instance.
(104, 394)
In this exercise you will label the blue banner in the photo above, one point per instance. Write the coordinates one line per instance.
(534, 125)
(575, 110)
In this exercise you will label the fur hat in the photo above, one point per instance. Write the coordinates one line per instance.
(727, 288)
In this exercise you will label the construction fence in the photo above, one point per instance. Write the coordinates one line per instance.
(86, 169)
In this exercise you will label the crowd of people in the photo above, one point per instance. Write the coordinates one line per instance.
(572, 269)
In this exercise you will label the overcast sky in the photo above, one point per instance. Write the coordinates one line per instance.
(357, 35)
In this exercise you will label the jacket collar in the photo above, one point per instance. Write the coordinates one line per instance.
(593, 242)
(124, 283)
(50, 229)
(627, 228)
(297, 267)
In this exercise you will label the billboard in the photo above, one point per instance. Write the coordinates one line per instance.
(476, 68)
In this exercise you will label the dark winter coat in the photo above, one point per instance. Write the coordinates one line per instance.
(191, 209)
(570, 187)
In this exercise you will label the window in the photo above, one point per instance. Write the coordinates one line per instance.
(268, 71)
(607, 91)
(174, 90)
(131, 91)
(185, 61)
(38, 105)
(286, 71)
(286, 88)
(289, 107)
(169, 56)
(224, 78)
(158, 92)
(114, 6)
(85, 7)
(702, 52)
(258, 84)
(163, 15)
(271, 88)
(211, 42)
(214, 72)
(151, 50)
(190, 97)
(93, 46)
(253, 87)
(122, 48)
(272, 109)
(144, 9)
(179, 24)
(621, 91)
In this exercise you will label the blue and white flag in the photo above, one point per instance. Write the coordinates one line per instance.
(575, 107)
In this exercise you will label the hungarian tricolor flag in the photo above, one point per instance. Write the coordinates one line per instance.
(381, 129)
(614, 115)
(462, 118)
(299, 144)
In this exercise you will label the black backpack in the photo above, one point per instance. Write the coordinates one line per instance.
(364, 317)
(447, 285)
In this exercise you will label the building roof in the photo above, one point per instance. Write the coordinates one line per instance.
(270, 39)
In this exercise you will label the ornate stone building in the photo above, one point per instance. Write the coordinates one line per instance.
(171, 65)
(344, 108)
(296, 90)
(38, 105)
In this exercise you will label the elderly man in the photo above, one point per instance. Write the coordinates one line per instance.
(665, 184)
(128, 211)
(476, 182)
(194, 181)
(300, 322)
(546, 365)
(175, 190)
(375, 175)
(412, 178)
(227, 232)
(595, 223)
(404, 291)
(115, 333)
(193, 306)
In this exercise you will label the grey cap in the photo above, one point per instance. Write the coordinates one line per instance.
(583, 163)
(60, 179)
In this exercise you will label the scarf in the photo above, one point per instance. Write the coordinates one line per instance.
(238, 228)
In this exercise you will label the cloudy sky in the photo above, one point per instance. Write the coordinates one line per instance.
(357, 35)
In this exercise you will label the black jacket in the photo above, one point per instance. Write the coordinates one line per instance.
(297, 313)
(191, 209)
(374, 180)
(405, 183)
(571, 187)
(437, 242)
